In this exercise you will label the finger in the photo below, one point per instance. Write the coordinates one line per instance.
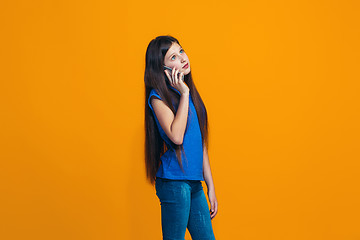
(213, 214)
(182, 76)
(172, 73)
(176, 76)
(171, 79)
(216, 209)
(213, 210)
(212, 206)
(168, 76)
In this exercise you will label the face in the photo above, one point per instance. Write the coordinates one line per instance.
(177, 58)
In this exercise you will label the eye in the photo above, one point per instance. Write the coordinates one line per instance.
(182, 50)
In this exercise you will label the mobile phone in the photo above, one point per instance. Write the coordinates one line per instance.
(166, 67)
(169, 68)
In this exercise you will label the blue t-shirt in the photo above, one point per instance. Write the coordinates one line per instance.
(193, 148)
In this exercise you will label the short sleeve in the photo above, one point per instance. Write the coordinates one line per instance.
(155, 94)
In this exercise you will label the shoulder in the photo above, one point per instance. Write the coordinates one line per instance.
(153, 94)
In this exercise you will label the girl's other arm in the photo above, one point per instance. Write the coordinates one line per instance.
(210, 184)
(207, 171)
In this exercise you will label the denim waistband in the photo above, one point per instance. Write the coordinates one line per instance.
(184, 180)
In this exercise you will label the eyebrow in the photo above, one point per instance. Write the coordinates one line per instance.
(174, 52)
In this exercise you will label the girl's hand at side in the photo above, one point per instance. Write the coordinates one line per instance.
(213, 203)
(176, 80)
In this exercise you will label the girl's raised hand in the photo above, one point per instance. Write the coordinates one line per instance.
(177, 80)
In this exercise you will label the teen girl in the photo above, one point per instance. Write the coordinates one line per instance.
(176, 155)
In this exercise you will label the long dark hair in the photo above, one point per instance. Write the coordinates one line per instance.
(155, 78)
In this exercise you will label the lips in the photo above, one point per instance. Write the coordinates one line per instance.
(186, 65)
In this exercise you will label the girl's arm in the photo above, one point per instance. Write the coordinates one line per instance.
(207, 171)
(210, 184)
(173, 126)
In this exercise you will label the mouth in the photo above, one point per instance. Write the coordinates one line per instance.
(186, 66)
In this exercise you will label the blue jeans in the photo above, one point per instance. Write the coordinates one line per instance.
(183, 205)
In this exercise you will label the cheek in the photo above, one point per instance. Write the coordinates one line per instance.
(177, 65)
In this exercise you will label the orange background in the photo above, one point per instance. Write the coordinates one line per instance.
(280, 80)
